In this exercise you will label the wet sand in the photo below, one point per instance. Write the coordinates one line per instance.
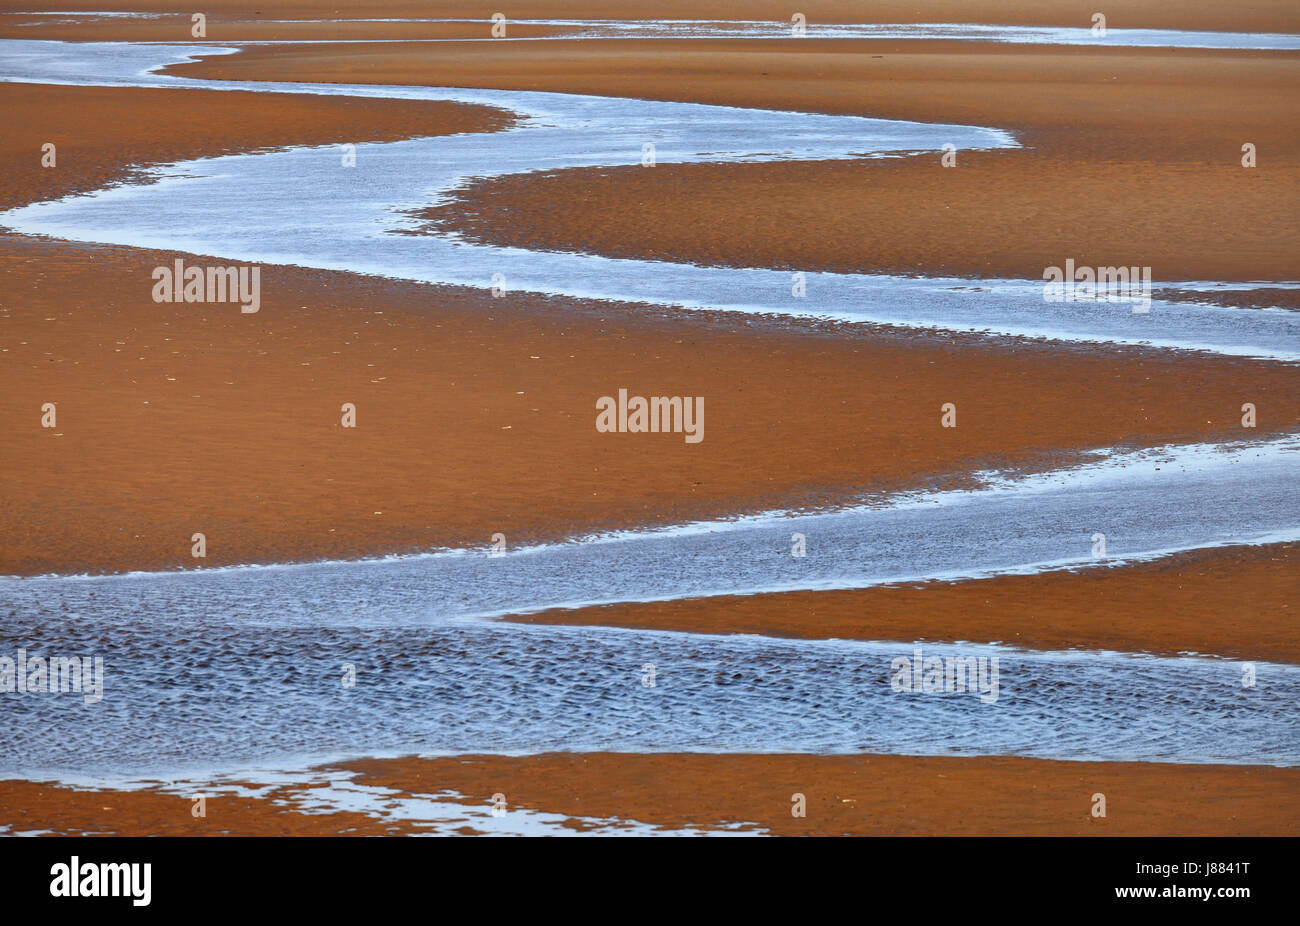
(1236, 602)
(27, 807)
(1258, 16)
(1132, 156)
(1001, 215)
(844, 795)
(248, 25)
(875, 795)
(103, 135)
(477, 416)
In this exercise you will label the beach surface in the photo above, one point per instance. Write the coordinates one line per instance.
(1131, 156)
(476, 414)
(267, 20)
(842, 795)
(1235, 602)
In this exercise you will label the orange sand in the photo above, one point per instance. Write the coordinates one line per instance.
(476, 413)
(101, 133)
(845, 795)
(874, 795)
(477, 416)
(1133, 156)
(31, 806)
(1233, 602)
(1257, 16)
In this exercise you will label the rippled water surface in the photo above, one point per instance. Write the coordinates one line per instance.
(233, 666)
(302, 207)
(221, 669)
(216, 691)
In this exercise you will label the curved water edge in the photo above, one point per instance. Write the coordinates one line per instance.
(245, 663)
(335, 790)
(215, 693)
(1149, 503)
(758, 29)
(251, 208)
